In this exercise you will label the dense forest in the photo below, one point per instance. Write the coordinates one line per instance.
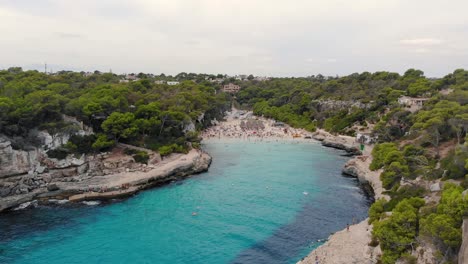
(141, 113)
(414, 147)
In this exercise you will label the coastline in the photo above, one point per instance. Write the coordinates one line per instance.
(115, 185)
(352, 245)
(344, 245)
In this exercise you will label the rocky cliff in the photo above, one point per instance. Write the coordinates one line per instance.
(333, 105)
(358, 167)
(345, 143)
(28, 175)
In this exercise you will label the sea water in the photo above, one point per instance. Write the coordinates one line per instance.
(260, 202)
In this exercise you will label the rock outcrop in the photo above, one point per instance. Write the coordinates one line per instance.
(333, 105)
(15, 162)
(347, 247)
(29, 175)
(345, 143)
(463, 254)
(358, 167)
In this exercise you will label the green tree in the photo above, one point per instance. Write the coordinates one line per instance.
(120, 125)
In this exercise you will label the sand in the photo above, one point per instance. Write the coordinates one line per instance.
(262, 129)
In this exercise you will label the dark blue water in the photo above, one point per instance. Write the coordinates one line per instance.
(259, 203)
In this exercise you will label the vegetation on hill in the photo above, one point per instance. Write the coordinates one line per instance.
(141, 113)
(415, 148)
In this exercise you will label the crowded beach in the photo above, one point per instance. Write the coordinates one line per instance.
(244, 125)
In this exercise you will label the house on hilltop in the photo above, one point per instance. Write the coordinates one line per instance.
(365, 138)
(231, 88)
(412, 103)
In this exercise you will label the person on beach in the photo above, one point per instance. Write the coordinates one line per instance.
(347, 227)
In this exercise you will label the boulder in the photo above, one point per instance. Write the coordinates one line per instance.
(69, 172)
(435, 187)
(350, 171)
(82, 169)
(52, 187)
(23, 188)
(40, 169)
(4, 191)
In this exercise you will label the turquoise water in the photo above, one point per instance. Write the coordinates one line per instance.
(258, 203)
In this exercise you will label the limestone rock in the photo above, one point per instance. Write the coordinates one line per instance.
(5, 191)
(463, 254)
(52, 187)
(350, 170)
(435, 187)
(40, 169)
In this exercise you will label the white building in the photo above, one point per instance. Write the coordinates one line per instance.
(172, 83)
(412, 103)
(365, 138)
(231, 88)
(131, 77)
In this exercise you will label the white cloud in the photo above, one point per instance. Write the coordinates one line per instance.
(299, 37)
(422, 41)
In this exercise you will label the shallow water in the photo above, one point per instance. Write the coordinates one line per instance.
(258, 203)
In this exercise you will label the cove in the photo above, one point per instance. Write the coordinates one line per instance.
(260, 202)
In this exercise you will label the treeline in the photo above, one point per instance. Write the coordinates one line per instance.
(140, 113)
(359, 98)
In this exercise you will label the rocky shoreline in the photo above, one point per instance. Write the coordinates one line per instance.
(110, 176)
(350, 245)
(100, 177)
(345, 143)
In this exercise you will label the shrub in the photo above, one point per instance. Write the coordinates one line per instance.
(141, 157)
(402, 193)
(398, 232)
(102, 143)
(168, 149)
(82, 144)
(376, 210)
(393, 174)
(379, 154)
(454, 164)
(58, 153)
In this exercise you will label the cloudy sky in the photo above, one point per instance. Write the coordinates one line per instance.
(263, 37)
